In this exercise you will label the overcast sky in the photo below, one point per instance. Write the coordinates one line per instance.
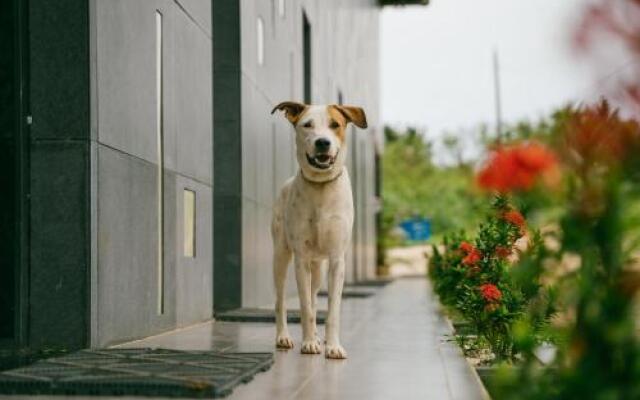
(437, 62)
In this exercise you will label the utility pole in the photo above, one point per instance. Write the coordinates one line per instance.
(496, 88)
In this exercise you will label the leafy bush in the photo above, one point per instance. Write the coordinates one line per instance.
(476, 278)
(600, 356)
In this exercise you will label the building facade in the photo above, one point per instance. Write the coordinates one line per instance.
(143, 160)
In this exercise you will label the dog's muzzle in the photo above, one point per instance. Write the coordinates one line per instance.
(321, 161)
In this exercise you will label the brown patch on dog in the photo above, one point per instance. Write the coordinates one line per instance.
(336, 116)
(293, 110)
(353, 114)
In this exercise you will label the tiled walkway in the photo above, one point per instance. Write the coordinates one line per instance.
(395, 342)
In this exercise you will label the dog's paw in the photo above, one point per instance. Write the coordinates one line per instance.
(310, 347)
(284, 341)
(335, 352)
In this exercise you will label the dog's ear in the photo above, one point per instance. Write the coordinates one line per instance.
(353, 114)
(292, 110)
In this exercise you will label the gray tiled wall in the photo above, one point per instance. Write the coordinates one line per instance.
(125, 184)
(344, 58)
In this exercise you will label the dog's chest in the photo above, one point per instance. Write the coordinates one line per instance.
(319, 220)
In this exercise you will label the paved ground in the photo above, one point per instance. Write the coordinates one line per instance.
(395, 345)
(408, 260)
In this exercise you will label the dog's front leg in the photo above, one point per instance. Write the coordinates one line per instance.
(281, 258)
(336, 281)
(316, 282)
(307, 318)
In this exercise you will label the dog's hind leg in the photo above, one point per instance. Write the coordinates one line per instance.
(316, 283)
(281, 258)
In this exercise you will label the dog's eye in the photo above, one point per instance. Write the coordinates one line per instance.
(308, 124)
(334, 125)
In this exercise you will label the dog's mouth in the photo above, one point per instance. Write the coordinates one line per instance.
(321, 161)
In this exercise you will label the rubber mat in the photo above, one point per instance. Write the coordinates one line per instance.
(371, 283)
(351, 293)
(264, 315)
(136, 372)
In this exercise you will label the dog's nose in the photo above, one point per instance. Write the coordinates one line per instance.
(322, 144)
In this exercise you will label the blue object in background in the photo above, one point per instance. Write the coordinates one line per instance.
(417, 229)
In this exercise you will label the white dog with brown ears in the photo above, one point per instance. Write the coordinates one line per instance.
(313, 219)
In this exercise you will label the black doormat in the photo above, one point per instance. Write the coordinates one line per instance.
(19, 357)
(354, 293)
(136, 372)
(264, 315)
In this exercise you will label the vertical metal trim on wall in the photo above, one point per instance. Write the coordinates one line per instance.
(160, 142)
(307, 57)
(355, 184)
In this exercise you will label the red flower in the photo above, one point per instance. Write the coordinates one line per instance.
(490, 292)
(516, 168)
(472, 258)
(473, 255)
(466, 247)
(514, 217)
(503, 252)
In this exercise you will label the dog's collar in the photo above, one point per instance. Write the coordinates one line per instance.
(319, 181)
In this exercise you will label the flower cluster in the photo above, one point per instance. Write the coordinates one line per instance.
(472, 254)
(594, 298)
(515, 217)
(473, 276)
(517, 168)
(490, 293)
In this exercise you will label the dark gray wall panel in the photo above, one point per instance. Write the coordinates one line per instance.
(227, 156)
(59, 36)
(59, 175)
(59, 243)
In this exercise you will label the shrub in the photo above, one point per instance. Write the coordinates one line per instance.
(476, 280)
(600, 358)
